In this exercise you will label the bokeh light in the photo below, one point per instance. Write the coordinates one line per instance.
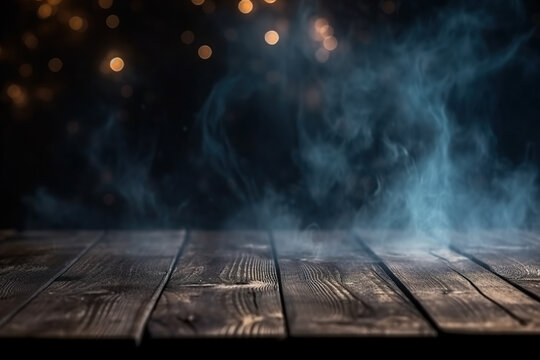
(55, 64)
(197, 2)
(105, 4)
(30, 40)
(76, 23)
(389, 7)
(271, 37)
(44, 11)
(187, 37)
(26, 70)
(205, 52)
(270, 1)
(112, 21)
(116, 64)
(330, 43)
(245, 6)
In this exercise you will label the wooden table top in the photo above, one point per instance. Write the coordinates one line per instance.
(145, 285)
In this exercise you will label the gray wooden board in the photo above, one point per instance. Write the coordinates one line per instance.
(331, 287)
(459, 295)
(512, 255)
(109, 292)
(225, 284)
(29, 261)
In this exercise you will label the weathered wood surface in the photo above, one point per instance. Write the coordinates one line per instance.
(332, 287)
(459, 295)
(225, 284)
(109, 292)
(513, 255)
(30, 261)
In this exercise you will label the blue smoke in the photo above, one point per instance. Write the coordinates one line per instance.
(387, 133)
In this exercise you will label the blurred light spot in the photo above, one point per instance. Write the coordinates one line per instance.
(112, 21)
(30, 40)
(330, 43)
(105, 4)
(326, 30)
(197, 2)
(16, 94)
(44, 11)
(14, 91)
(72, 127)
(44, 94)
(187, 37)
(209, 7)
(55, 64)
(270, 1)
(319, 23)
(116, 64)
(205, 52)
(54, 2)
(271, 37)
(322, 55)
(109, 199)
(76, 23)
(25, 70)
(389, 7)
(245, 6)
(126, 91)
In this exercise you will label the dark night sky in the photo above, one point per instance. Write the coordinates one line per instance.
(52, 122)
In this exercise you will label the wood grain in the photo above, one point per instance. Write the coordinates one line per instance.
(331, 287)
(109, 292)
(458, 294)
(224, 285)
(31, 260)
(513, 256)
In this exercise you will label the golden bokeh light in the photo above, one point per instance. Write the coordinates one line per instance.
(197, 2)
(54, 2)
(187, 37)
(16, 94)
(26, 70)
(270, 1)
(245, 6)
(205, 52)
(105, 4)
(319, 23)
(322, 55)
(14, 91)
(30, 40)
(116, 64)
(330, 43)
(44, 11)
(112, 21)
(271, 37)
(76, 23)
(55, 64)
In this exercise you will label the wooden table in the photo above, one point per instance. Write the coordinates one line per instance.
(142, 286)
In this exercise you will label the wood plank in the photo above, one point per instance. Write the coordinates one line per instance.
(109, 292)
(225, 284)
(458, 294)
(332, 287)
(510, 255)
(29, 261)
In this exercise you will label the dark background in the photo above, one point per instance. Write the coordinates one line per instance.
(52, 133)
